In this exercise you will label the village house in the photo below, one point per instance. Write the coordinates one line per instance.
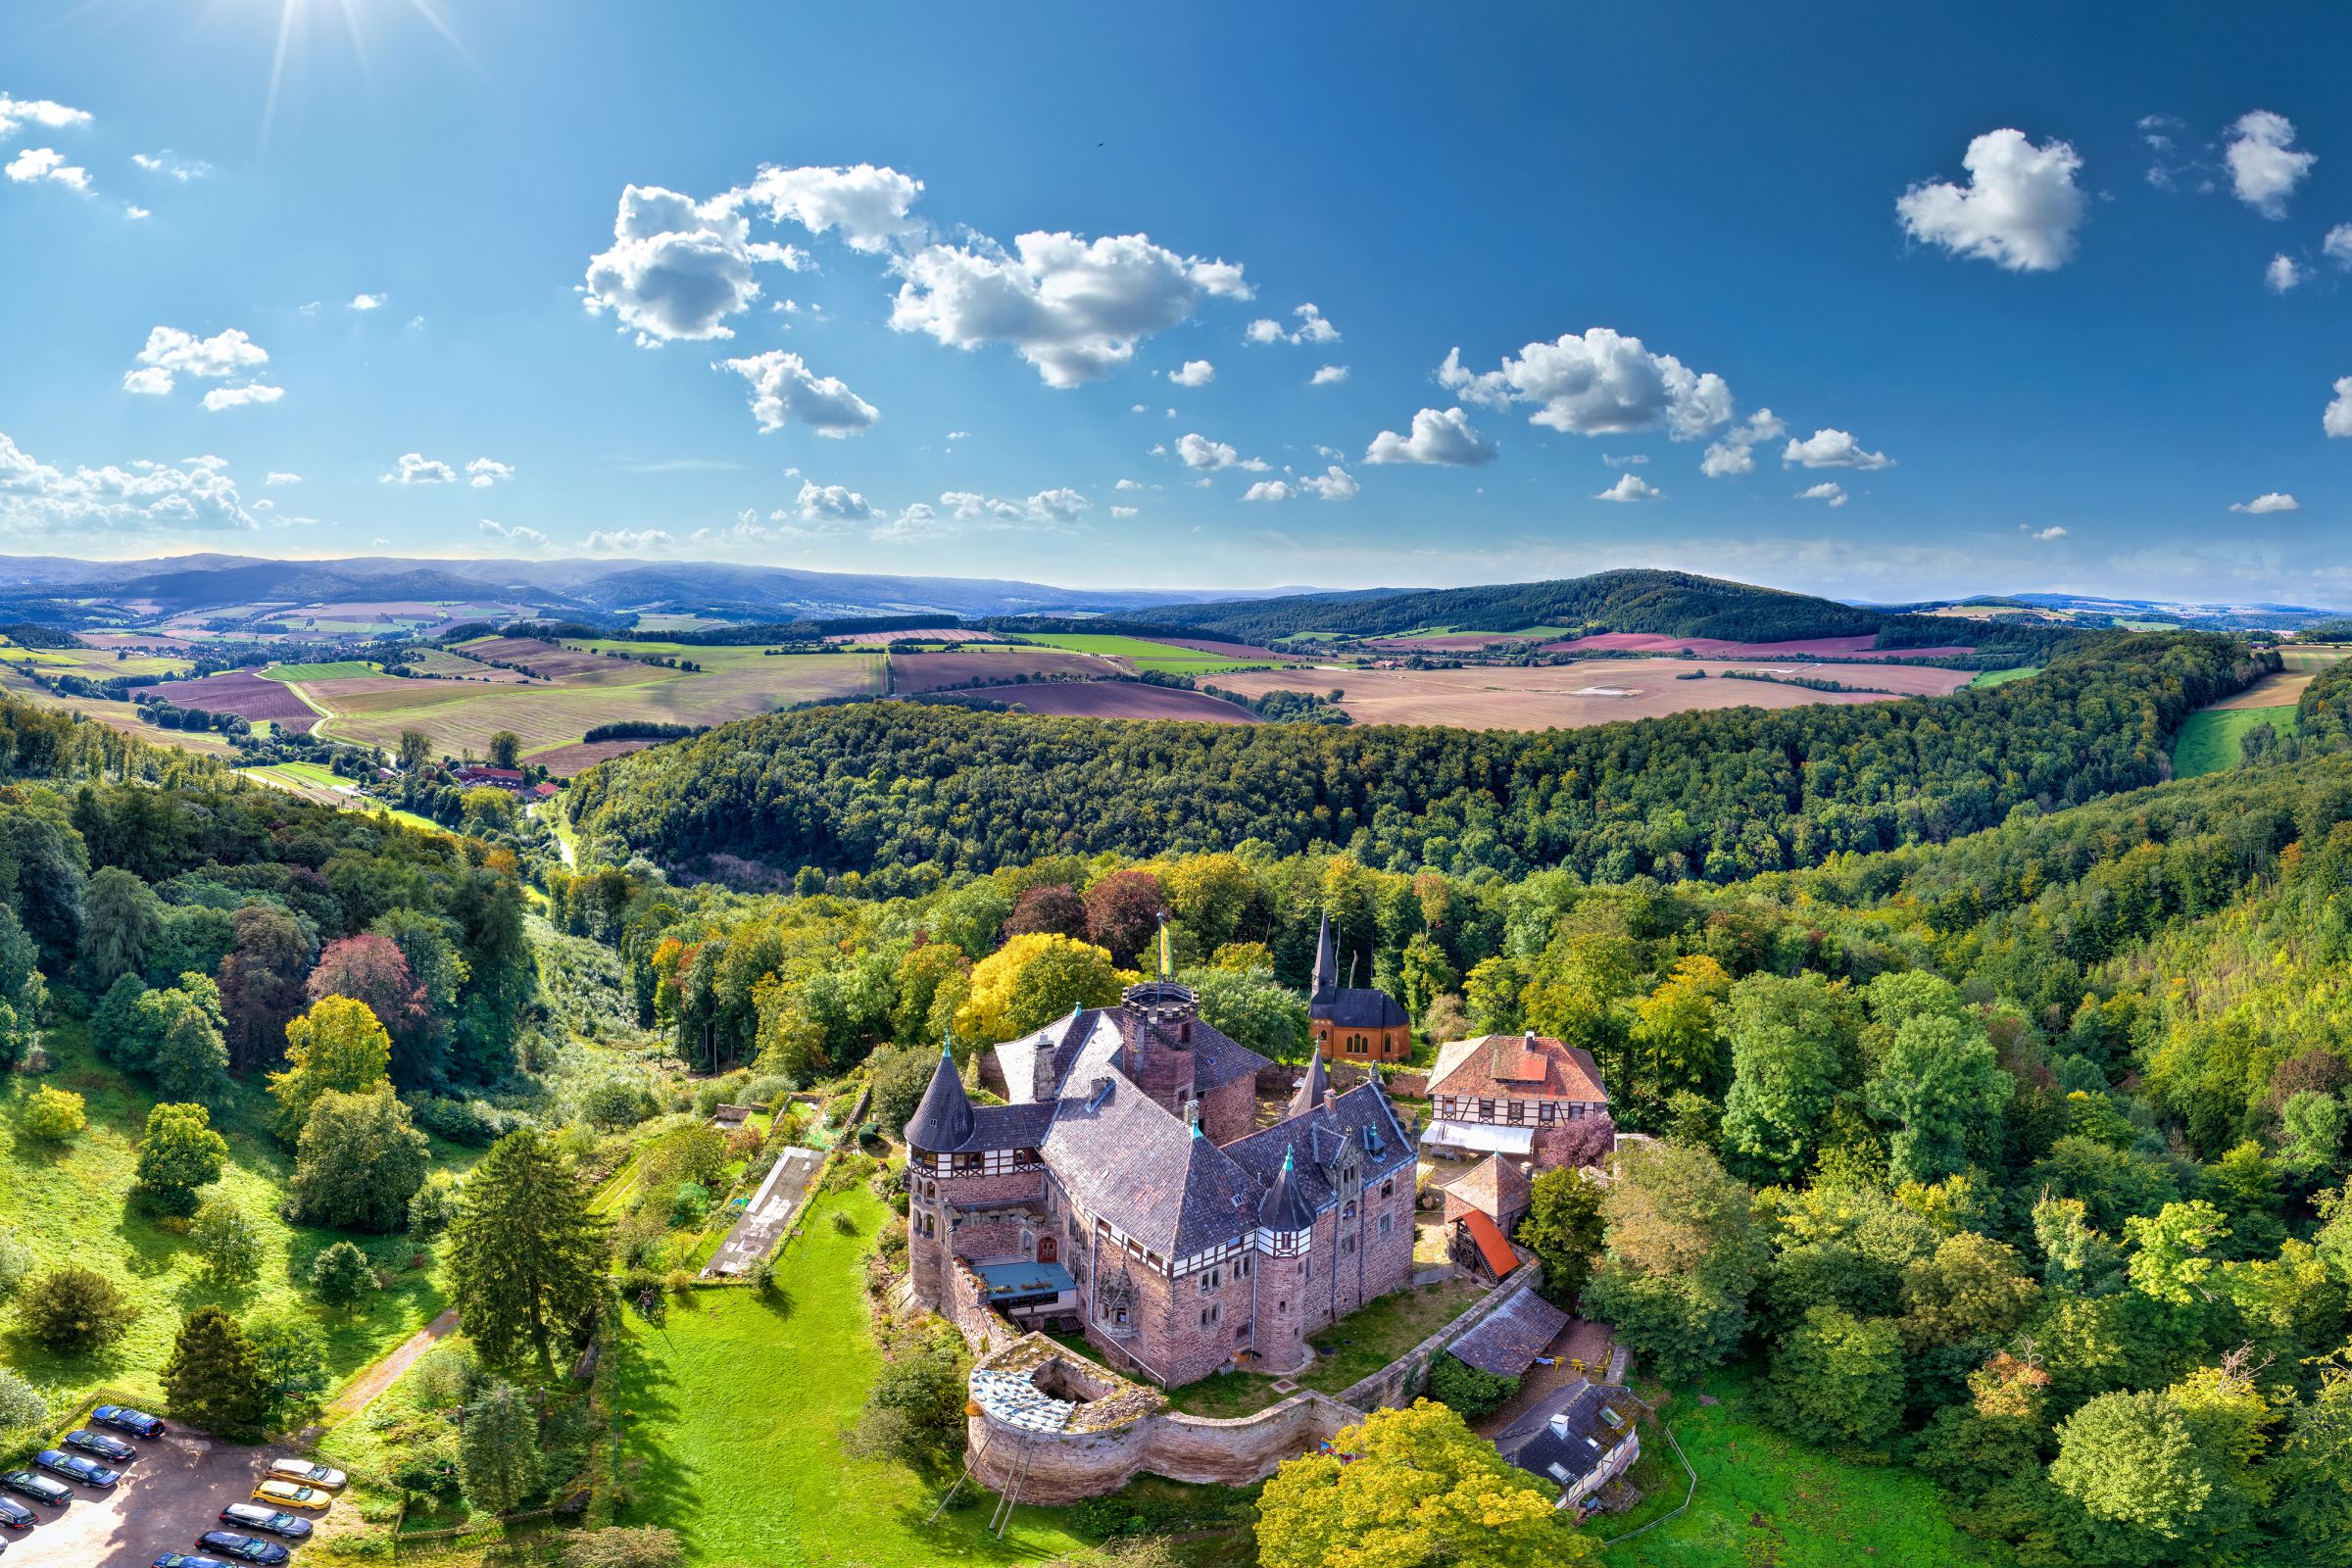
(1352, 1023)
(1583, 1438)
(1517, 1096)
(1125, 1190)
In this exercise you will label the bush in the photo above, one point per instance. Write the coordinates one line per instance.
(691, 1202)
(20, 1403)
(226, 1237)
(74, 1308)
(433, 1207)
(341, 1276)
(445, 1376)
(16, 1261)
(1471, 1393)
(615, 1101)
(469, 1122)
(845, 1223)
(625, 1547)
(55, 1115)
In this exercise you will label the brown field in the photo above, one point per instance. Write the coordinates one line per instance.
(1119, 699)
(1566, 696)
(931, 672)
(136, 642)
(441, 662)
(563, 761)
(1643, 642)
(124, 717)
(548, 660)
(243, 693)
(920, 634)
(1452, 641)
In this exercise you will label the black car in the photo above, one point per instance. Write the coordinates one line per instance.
(99, 1444)
(269, 1521)
(76, 1467)
(122, 1418)
(242, 1549)
(15, 1515)
(39, 1487)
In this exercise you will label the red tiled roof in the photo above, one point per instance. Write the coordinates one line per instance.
(1492, 1246)
(1517, 1068)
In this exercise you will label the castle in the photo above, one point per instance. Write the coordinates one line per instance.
(1124, 1187)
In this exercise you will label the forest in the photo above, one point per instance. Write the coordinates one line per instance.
(902, 797)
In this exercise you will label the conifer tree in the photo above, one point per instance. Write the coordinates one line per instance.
(527, 1259)
(213, 1378)
(498, 1449)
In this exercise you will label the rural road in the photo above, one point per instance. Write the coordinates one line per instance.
(379, 1377)
(770, 1212)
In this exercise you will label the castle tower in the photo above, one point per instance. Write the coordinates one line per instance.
(941, 1124)
(1161, 1058)
(1278, 1313)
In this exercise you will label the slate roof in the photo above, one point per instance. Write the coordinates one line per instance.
(1038, 1065)
(1528, 1066)
(1357, 1007)
(1286, 1206)
(1495, 1185)
(944, 1119)
(1565, 1459)
(1361, 1114)
(1508, 1341)
(1314, 1085)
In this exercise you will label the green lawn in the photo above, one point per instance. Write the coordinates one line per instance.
(325, 779)
(70, 1204)
(2208, 741)
(1166, 658)
(1364, 1343)
(731, 1412)
(2002, 677)
(1764, 1497)
(341, 670)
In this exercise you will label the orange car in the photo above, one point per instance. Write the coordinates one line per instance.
(287, 1495)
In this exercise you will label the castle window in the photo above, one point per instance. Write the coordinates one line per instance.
(1311, 1268)
(969, 1162)
(1208, 1315)
(1486, 1111)
(1211, 1281)
(1387, 1221)
(1241, 1331)
(1549, 1108)
(1388, 1188)
(1281, 1308)
(1243, 1268)
(1348, 1212)
(1347, 1246)
(1575, 1112)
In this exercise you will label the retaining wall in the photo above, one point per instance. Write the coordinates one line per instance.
(1394, 1385)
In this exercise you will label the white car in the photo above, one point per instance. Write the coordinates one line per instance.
(308, 1472)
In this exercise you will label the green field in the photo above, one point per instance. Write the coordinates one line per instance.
(2002, 677)
(98, 664)
(341, 670)
(731, 1408)
(1165, 658)
(71, 1204)
(1764, 1497)
(2208, 742)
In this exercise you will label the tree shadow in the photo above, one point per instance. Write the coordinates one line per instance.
(660, 1486)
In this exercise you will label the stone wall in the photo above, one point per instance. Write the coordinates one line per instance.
(965, 1304)
(1394, 1385)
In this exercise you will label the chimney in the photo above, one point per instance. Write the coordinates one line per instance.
(1559, 1424)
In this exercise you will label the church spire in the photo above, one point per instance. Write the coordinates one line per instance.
(1313, 1088)
(1326, 976)
(944, 1119)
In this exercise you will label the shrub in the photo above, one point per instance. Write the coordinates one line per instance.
(692, 1203)
(20, 1403)
(341, 1276)
(845, 1223)
(615, 1101)
(16, 1261)
(1472, 1392)
(445, 1376)
(227, 1238)
(625, 1547)
(435, 1206)
(55, 1115)
(74, 1308)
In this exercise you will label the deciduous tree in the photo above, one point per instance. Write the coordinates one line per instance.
(359, 1162)
(178, 1153)
(1031, 981)
(337, 1046)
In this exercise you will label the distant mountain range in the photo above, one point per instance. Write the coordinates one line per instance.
(58, 587)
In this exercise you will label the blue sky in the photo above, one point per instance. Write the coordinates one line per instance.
(1641, 229)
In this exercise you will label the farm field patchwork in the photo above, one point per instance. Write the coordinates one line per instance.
(1120, 699)
(243, 693)
(566, 761)
(98, 664)
(931, 672)
(1592, 692)
(1138, 653)
(1818, 647)
(2209, 741)
(2002, 677)
(124, 717)
(338, 670)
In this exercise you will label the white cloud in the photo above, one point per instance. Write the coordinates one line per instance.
(1054, 507)
(959, 435)
(1269, 490)
(275, 477)
(831, 503)
(1328, 375)
(42, 112)
(1128, 484)
(2338, 246)
(1199, 451)
(1072, 308)
(1599, 382)
(239, 397)
(627, 541)
(46, 162)
(1829, 490)
(171, 166)
(366, 301)
(195, 494)
(2265, 167)
(530, 538)
(2049, 535)
(1631, 487)
(1439, 436)
(867, 204)
(1057, 506)
(679, 267)
(1732, 455)
(150, 381)
(1333, 484)
(135, 212)
(2268, 501)
(1833, 449)
(1196, 373)
(2018, 210)
(413, 468)
(1124, 512)
(2281, 275)
(1311, 328)
(1629, 460)
(2337, 419)
(487, 472)
(917, 522)
(785, 391)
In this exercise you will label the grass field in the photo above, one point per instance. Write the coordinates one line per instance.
(1166, 658)
(98, 664)
(2208, 742)
(731, 1411)
(124, 717)
(2002, 677)
(341, 670)
(70, 1204)
(1764, 1497)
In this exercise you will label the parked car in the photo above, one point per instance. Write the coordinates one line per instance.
(309, 1473)
(13, 1515)
(269, 1521)
(286, 1494)
(39, 1487)
(76, 1467)
(99, 1444)
(243, 1548)
(122, 1418)
(187, 1559)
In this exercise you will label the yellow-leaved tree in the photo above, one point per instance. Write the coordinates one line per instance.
(338, 1045)
(1032, 980)
(1420, 1488)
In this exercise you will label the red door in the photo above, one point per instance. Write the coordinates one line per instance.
(1048, 1249)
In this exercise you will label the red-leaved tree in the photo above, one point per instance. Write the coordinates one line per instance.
(1054, 909)
(371, 969)
(1122, 913)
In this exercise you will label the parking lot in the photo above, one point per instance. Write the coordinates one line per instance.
(172, 1492)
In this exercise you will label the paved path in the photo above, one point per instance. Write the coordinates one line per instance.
(770, 1213)
(377, 1378)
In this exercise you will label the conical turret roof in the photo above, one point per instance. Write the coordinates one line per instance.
(1313, 1088)
(1286, 1206)
(944, 1119)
